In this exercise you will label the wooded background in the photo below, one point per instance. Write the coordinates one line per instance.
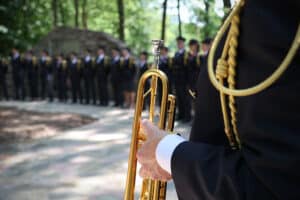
(136, 22)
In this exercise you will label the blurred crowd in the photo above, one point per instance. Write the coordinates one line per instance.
(86, 79)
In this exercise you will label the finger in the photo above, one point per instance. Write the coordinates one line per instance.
(165, 176)
(148, 128)
(160, 174)
(145, 172)
(142, 172)
(156, 176)
(151, 171)
(143, 156)
(156, 173)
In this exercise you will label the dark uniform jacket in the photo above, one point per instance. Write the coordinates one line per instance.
(43, 68)
(49, 67)
(102, 68)
(3, 72)
(267, 166)
(115, 70)
(32, 68)
(193, 66)
(88, 69)
(179, 68)
(3, 69)
(61, 71)
(165, 65)
(128, 69)
(17, 67)
(143, 68)
(75, 70)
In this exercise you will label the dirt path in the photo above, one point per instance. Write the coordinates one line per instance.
(84, 163)
(19, 125)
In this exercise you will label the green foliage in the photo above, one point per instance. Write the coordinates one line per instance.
(136, 15)
(66, 12)
(103, 16)
(24, 22)
(207, 18)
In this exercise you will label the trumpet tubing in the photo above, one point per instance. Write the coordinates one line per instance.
(151, 189)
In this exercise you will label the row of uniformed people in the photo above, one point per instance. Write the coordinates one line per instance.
(82, 75)
(28, 68)
(183, 71)
(88, 77)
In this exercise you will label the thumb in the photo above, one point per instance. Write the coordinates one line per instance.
(149, 129)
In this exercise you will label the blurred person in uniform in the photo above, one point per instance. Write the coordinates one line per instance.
(49, 65)
(61, 77)
(3, 73)
(89, 74)
(102, 71)
(18, 71)
(43, 65)
(193, 64)
(31, 63)
(143, 66)
(128, 70)
(116, 78)
(165, 65)
(205, 46)
(75, 76)
(180, 74)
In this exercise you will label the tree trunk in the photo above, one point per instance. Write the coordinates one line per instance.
(163, 26)
(62, 13)
(206, 17)
(54, 12)
(179, 18)
(121, 20)
(84, 15)
(227, 4)
(76, 6)
(24, 20)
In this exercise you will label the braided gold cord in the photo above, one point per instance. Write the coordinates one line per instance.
(264, 84)
(232, 53)
(221, 74)
(226, 68)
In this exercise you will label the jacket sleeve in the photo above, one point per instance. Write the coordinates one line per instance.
(203, 171)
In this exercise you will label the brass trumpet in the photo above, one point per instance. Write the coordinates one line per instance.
(151, 189)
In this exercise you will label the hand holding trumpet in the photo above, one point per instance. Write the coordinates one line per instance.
(146, 153)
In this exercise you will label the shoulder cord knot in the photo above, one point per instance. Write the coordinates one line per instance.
(226, 70)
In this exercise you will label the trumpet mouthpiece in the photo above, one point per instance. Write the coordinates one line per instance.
(156, 46)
